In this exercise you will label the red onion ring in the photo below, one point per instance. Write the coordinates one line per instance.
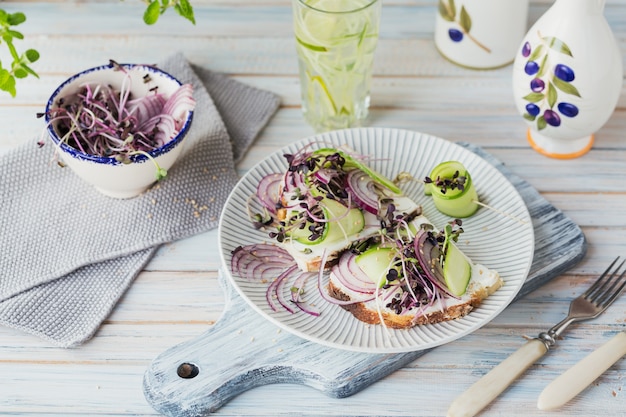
(351, 276)
(268, 191)
(325, 175)
(276, 288)
(322, 287)
(263, 262)
(246, 260)
(146, 107)
(428, 256)
(298, 286)
(179, 103)
(361, 188)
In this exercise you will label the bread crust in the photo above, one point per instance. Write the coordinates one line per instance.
(404, 321)
(314, 264)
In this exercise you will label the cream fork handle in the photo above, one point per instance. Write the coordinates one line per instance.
(486, 389)
(577, 378)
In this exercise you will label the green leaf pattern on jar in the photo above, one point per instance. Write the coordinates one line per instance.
(448, 12)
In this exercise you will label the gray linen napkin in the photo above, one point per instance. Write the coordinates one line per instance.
(68, 253)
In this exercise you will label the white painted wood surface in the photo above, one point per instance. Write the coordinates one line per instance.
(178, 297)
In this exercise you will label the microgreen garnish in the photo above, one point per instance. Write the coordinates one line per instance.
(259, 221)
(315, 180)
(297, 291)
(310, 179)
(409, 273)
(457, 181)
(450, 233)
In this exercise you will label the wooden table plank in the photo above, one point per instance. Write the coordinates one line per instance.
(178, 297)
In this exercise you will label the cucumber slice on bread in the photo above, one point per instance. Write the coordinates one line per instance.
(457, 271)
(341, 222)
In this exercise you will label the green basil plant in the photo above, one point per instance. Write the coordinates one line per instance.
(20, 65)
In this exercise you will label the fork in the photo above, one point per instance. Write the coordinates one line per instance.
(587, 306)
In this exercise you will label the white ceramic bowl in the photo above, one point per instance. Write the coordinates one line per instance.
(107, 174)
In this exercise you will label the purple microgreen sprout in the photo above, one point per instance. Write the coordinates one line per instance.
(457, 181)
(449, 234)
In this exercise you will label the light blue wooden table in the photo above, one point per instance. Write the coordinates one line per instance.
(178, 297)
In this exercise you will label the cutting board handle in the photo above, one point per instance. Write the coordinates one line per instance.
(244, 350)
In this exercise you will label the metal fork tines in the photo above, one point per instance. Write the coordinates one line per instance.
(591, 303)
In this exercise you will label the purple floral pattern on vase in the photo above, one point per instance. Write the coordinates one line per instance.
(549, 84)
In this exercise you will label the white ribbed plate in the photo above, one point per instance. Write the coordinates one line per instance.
(494, 240)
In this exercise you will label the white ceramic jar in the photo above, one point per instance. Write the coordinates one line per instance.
(567, 77)
(480, 34)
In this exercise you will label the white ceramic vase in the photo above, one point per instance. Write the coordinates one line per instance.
(480, 34)
(567, 77)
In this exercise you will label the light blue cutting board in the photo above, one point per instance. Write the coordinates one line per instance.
(197, 377)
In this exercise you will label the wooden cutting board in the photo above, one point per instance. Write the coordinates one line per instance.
(199, 376)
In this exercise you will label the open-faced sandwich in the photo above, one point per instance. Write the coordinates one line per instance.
(402, 279)
(328, 201)
(387, 262)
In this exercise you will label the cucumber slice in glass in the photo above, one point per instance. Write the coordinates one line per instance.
(454, 202)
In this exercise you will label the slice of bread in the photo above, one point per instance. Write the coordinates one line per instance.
(483, 283)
